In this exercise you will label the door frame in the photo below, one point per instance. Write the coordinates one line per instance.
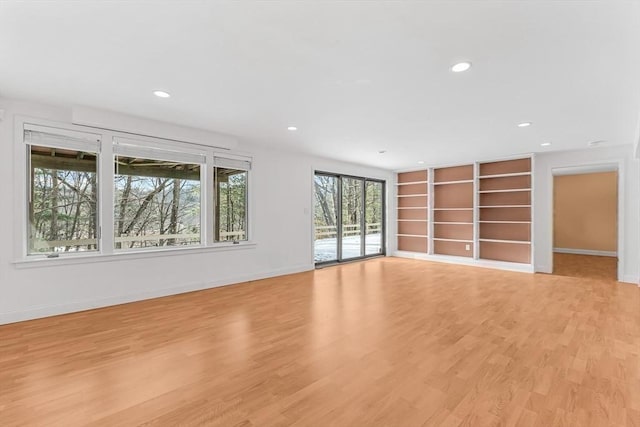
(611, 166)
(383, 234)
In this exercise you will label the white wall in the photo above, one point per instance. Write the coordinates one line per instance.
(282, 229)
(629, 194)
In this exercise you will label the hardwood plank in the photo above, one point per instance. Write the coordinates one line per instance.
(383, 342)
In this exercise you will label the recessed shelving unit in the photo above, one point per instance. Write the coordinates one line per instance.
(504, 220)
(453, 211)
(481, 211)
(413, 211)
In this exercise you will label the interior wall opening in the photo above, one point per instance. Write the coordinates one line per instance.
(585, 224)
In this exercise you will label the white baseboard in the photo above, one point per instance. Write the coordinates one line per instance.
(635, 280)
(498, 265)
(76, 306)
(585, 252)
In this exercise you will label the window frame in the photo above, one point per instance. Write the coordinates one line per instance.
(106, 193)
(383, 233)
(26, 148)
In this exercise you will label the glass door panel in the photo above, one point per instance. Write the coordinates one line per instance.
(374, 219)
(352, 218)
(326, 218)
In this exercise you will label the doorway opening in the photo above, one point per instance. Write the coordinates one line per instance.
(349, 218)
(585, 223)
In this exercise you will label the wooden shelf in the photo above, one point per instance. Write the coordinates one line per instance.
(513, 190)
(412, 195)
(412, 207)
(442, 239)
(453, 222)
(412, 183)
(453, 182)
(504, 222)
(412, 235)
(452, 209)
(504, 175)
(526, 242)
(413, 220)
(505, 206)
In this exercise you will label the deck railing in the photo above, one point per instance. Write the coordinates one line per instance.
(331, 231)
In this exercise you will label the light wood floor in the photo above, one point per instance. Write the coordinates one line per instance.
(387, 342)
(585, 266)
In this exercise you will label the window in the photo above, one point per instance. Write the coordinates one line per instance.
(160, 193)
(62, 192)
(231, 205)
(157, 203)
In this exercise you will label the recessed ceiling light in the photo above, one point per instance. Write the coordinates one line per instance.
(524, 124)
(460, 67)
(382, 151)
(545, 144)
(292, 128)
(421, 162)
(161, 94)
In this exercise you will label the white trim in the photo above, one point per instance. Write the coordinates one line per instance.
(35, 261)
(412, 182)
(519, 242)
(75, 306)
(585, 252)
(553, 170)
(467, 261)
(510, 190)
(504, 175)
(586, 169)
(453, 222)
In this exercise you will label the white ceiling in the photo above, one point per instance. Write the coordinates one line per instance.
(354, 77)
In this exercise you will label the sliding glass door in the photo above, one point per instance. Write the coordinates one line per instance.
(326, 218)
(349, 218)
(374, 217)
(352, 195)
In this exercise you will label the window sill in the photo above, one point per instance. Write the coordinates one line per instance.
(69, 259)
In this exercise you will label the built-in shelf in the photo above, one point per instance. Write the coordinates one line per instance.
(413, 182)
(453, 222)
(513, 190)
(504, 222)
(505, 241)
(505, 206)
(504, 175)
(477, 211)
